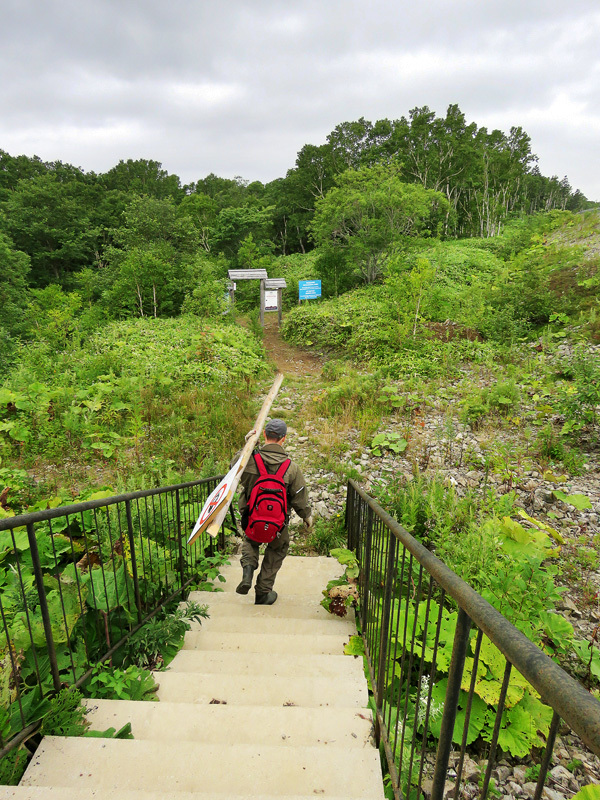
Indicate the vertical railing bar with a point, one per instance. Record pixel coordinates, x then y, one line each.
123 553
547 758
11 655
404 660
348 516
27 616
159 561
39 579
114 569
411 654
366 571
101 565
457 663
376 602
179 542
463 746
136 585
183 535
78 584
496 733
62 600
420 678
170 515
150 571
144 576
401 677
432 672
385 622
394 625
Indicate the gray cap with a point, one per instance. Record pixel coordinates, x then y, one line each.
276 429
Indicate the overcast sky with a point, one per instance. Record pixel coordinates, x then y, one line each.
237 87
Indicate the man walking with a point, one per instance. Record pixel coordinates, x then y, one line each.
273 457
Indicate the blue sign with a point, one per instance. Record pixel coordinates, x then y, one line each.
309 290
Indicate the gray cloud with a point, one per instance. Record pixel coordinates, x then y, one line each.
239 87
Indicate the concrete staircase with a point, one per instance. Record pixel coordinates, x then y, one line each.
260 703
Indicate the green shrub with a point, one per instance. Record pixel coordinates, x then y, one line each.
327 535
133 683
504 397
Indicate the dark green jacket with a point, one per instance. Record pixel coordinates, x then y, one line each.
273 455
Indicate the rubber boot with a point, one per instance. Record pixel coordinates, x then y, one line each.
266 599
246 583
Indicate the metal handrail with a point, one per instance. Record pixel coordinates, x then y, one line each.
125 565
88 505
557 688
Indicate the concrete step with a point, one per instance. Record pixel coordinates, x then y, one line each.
325 644
289 726
265 664
295 606
275 624
246 770
193 687
293 578
64 793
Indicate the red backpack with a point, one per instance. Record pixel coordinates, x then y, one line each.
267 506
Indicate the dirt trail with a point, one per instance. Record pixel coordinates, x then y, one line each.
289 359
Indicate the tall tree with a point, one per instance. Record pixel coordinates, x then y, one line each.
368 212
144 177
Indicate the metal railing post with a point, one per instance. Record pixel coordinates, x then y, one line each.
457 664
349 518
390 581
179 540
39 582
134 572
366 570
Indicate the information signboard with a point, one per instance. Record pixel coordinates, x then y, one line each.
271 303
309 290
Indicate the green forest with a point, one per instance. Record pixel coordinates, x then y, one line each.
436 242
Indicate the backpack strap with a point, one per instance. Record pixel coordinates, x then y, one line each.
260 464
283 468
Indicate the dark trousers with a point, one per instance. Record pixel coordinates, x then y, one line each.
273 557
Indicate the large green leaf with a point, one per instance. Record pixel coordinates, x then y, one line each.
64 610
7 546
579 501
557 628
477 718
112 588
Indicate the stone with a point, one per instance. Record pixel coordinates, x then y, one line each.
321 509
519 774
566 604
529 789
502 774
471 771
562 775
551 794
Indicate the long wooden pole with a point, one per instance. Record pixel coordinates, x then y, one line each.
213 523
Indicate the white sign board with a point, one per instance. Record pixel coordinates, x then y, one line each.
215 501
271 300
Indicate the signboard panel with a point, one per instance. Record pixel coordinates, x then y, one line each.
309 290
215 501
271 300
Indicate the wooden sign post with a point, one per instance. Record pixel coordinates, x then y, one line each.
216 507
